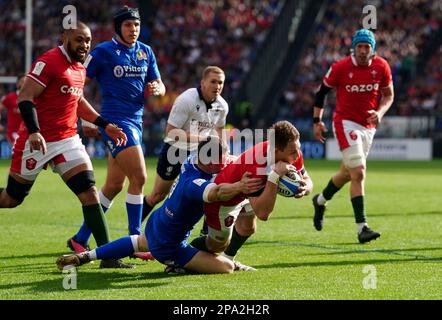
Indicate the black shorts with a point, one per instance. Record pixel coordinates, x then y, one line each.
167 170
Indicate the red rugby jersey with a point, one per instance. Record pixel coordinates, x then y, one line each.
357 87
63 80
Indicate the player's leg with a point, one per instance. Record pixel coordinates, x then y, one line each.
112 186
159 192
131 163
244 227
204 262
112 251
15 192
81 180
343 133
168 168
355 161
25 167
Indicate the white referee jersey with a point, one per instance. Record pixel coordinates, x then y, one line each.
191 113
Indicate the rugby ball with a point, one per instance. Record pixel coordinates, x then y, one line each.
289 183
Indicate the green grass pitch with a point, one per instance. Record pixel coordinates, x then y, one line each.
294 261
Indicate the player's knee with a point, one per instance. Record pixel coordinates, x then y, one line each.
16 192
246 226
358 174
228 266
138 180
83 182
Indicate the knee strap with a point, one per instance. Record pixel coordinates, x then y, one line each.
81 182
18 190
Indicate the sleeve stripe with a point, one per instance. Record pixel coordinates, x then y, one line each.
209 187
36 80
328 85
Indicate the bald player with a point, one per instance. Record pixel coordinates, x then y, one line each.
50 103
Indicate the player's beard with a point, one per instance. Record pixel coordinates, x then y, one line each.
75 55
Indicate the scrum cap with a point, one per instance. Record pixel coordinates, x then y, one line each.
125 14
364 35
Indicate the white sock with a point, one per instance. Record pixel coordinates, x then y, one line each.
134 239
321 200
105 202
93 254
361 225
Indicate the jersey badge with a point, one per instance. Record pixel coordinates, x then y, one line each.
141 55
199 182
39 66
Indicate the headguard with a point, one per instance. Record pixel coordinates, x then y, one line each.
124 14
364 35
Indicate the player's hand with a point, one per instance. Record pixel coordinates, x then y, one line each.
116 134
154 89
302 190
282 167
250 185
318 129
374 117
37 142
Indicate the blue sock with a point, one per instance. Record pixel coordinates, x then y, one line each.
117 249
84 234
134 207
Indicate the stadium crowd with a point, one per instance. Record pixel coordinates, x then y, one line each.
403 28
189 35
186 36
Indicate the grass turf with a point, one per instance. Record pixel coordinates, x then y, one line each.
294 261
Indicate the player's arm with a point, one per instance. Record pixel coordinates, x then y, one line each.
89 129
387 97
87 112
178 134
31 89
227 191
263 204
318 111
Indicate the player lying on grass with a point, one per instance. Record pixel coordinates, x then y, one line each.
168 227
231 223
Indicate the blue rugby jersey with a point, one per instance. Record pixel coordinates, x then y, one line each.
183 208
122 73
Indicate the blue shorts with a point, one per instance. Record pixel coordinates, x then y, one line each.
133 132
175 256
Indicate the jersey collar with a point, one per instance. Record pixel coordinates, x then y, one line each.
65 54
122 46
208 104
353 59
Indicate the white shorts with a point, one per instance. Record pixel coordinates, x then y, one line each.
354 141
221 219
61 155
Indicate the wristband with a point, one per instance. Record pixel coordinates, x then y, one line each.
273 177
29 115
101 122
316 120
